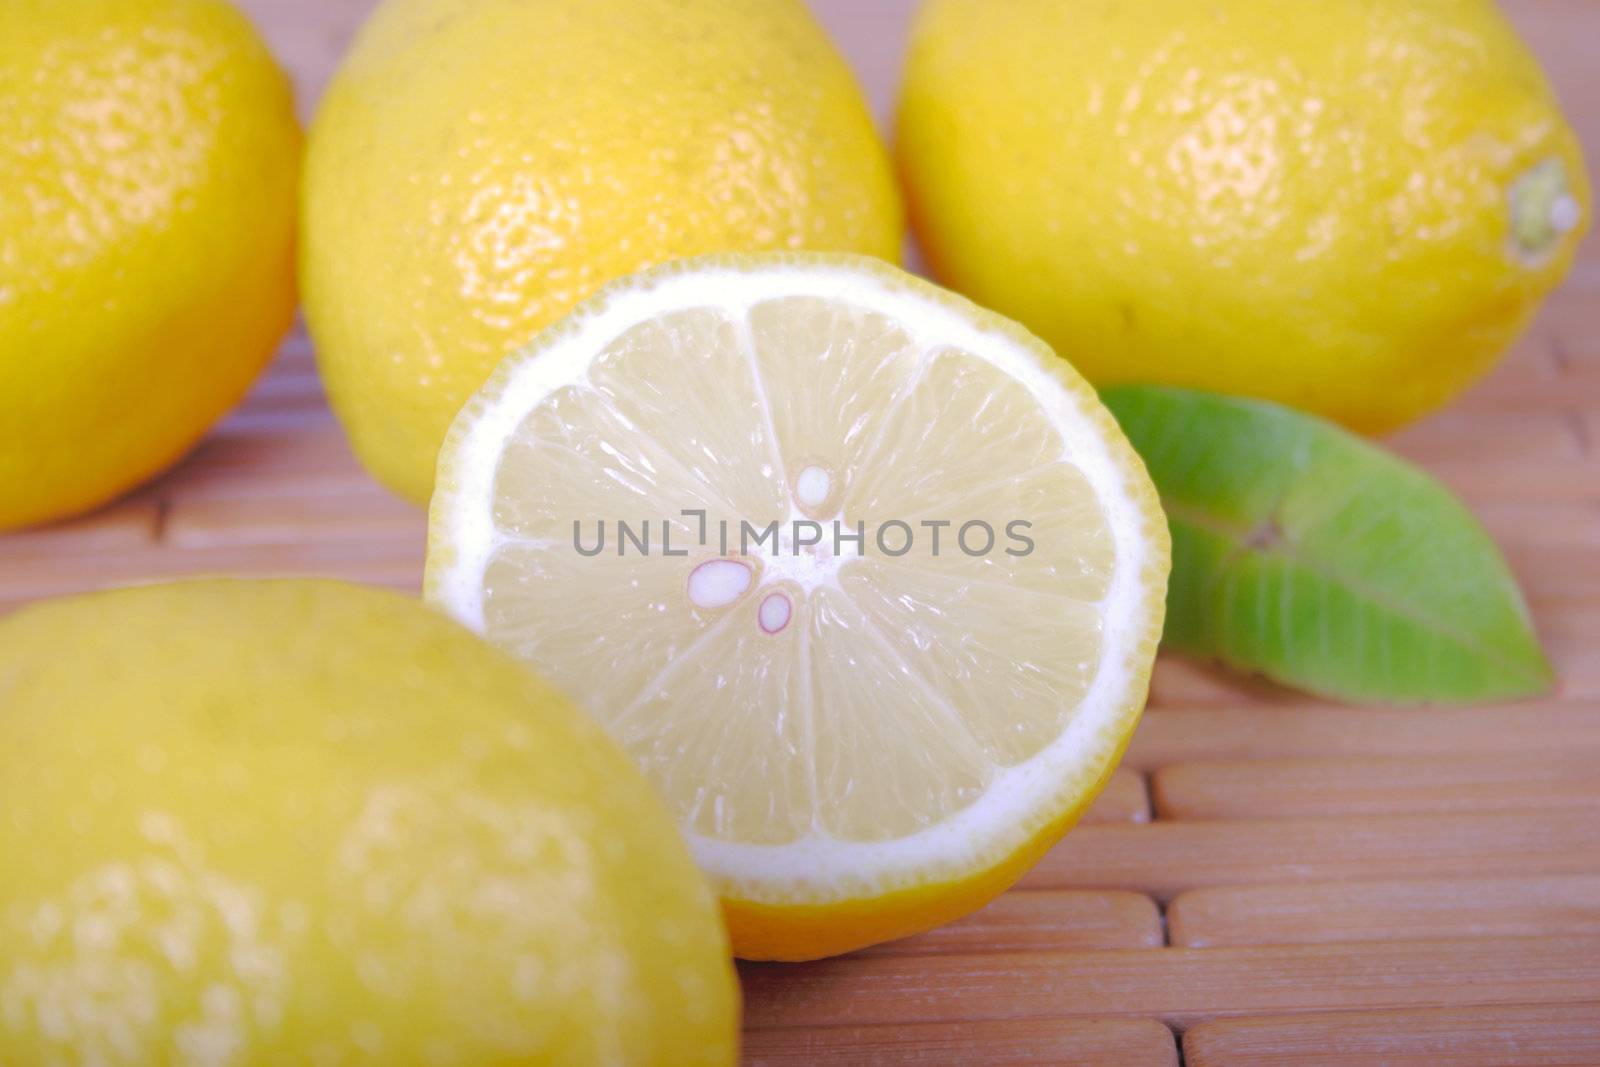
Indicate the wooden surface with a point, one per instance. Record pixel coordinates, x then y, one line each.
1268 880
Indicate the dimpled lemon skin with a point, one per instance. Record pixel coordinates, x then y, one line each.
479 166
149 158
1304 202
306 822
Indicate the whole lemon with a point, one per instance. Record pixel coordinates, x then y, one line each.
305 822
148 166
1351 206
479 166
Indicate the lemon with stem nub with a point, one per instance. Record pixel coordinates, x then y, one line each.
1352 208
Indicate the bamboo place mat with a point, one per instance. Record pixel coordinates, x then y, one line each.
1268 880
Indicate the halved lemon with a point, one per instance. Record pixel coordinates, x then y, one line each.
864 577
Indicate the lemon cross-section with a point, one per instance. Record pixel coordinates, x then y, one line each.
863 577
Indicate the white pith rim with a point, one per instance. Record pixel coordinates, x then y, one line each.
1021 799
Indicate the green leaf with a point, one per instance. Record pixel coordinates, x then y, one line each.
1321 561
